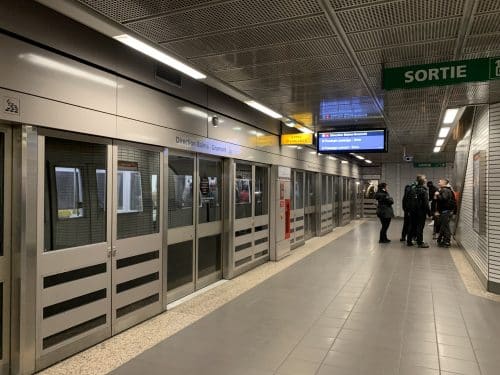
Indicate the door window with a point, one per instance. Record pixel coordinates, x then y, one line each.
261 198
243 191
210 191
137 186
75 210
180 191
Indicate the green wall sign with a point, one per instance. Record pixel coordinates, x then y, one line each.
429 165
441 74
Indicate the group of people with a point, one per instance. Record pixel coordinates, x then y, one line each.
421 199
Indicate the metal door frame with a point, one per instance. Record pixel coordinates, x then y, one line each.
197 283
310 181
300 242
5 259
188 288
63 350
231 270
216 276
148 311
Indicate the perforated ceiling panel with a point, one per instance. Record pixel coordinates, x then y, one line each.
287 55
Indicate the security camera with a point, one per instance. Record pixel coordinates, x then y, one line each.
215 121
408 158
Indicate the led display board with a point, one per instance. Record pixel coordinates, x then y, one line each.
346 141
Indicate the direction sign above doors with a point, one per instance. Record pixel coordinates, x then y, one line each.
441 74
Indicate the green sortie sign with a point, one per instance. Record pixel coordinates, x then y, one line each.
429 165
441 74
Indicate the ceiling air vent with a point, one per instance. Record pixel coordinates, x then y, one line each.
168 75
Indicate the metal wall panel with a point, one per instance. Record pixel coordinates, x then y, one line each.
493 192
141 103
27 68
476 245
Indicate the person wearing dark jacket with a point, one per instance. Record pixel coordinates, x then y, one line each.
432 191
446 206
406 219
418 206
384 211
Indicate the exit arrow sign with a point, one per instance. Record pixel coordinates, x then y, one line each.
441 74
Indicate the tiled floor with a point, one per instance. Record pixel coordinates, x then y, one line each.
353 307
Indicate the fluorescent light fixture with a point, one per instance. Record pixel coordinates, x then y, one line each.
359 157
312 152
263 109
290 123
345 162
159 55
437 149
439 142
303 129
443 133
449 116
368 161
48 63
194 112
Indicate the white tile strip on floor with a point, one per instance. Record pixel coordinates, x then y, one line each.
112 353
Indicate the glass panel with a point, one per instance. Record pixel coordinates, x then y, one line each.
210 190
292 190
324 189
261 191
2 162
180 191
75 209
330 189
243 191
209 255
179 264
299 190
69 193
137 184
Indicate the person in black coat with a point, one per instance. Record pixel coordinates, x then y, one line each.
384 211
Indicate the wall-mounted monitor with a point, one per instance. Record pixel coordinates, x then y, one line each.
346 141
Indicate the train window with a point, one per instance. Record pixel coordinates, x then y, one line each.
137 187
100 175
69 192
129 188
75 193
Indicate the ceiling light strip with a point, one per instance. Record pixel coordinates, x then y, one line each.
158 55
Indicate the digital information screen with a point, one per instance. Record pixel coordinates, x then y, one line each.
373 140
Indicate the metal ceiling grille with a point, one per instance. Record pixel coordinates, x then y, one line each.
236 15
388 15
287 54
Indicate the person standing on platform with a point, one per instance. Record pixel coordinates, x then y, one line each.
384 211
435 218
446 206
406 223
418 205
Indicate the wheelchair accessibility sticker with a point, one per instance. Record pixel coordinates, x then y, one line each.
11 105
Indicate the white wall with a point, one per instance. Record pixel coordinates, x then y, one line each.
398 175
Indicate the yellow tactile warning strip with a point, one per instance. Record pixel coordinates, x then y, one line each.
469 277
114 352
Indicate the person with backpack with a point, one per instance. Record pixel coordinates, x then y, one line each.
384 211
446 207
406 218
417 201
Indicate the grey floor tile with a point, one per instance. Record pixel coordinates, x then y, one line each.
342 310
308 353
457 352
298 367
459 366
